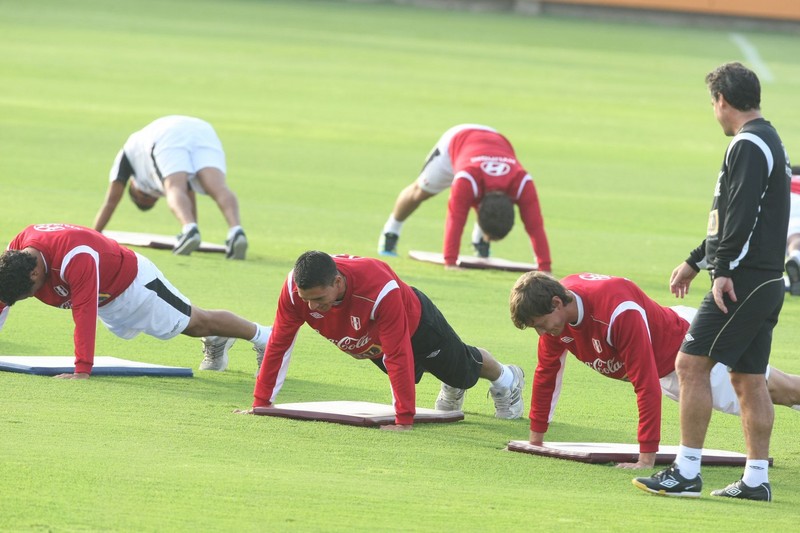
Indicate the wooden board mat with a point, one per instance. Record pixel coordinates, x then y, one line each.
467 261
604 452
159 242
47 365
352 413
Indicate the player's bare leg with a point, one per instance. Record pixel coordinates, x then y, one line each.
408 201
175 189
214 184
784 389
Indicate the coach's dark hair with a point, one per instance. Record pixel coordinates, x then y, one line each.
532 296
795 170
496 215
314 269
737 83
15 275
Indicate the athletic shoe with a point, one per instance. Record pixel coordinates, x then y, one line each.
743 491
793 271
670 482
236 246
450 398
215 351
508 400
481 248
260 352
259 357
387 245
187 242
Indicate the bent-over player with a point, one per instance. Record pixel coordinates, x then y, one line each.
175 157
480 165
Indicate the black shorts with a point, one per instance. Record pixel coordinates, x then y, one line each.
742 338
440 351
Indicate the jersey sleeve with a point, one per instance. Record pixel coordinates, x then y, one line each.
83 277
747 174
631 337
278 352
392 321
552 357
122 169
530 211
461 199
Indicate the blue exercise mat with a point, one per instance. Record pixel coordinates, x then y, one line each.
103 366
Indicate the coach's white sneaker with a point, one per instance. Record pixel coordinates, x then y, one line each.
508 400
450 398
215 352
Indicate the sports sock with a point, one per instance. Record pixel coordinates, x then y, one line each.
795 254
688 461
755 472
188 227
477 233
262 335
393 226
233 230
505 380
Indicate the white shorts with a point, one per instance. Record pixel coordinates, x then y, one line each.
437 174
723 397
189 148
794 215
149 305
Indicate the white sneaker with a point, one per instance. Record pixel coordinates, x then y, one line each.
260 352
508 400
187 242
236 246
215 351
450 398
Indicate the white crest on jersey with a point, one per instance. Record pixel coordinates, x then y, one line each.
316 315
495 168
51 227
61 290
597 346
594 277
356 322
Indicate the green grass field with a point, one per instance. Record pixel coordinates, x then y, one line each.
326 110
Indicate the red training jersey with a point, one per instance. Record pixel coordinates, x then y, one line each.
484 161
376 318
622 334
83 270
795 184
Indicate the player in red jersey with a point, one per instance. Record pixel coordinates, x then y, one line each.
368 312
76 268
613 327
480 166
